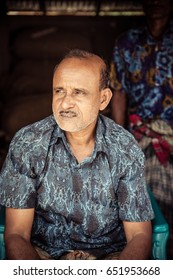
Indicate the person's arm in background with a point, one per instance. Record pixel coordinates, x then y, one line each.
18 227
119 108
118 103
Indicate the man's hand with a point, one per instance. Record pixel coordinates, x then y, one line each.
77 255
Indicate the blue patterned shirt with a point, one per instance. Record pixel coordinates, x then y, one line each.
77 205
143 68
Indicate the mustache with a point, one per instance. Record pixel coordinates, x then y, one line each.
67 113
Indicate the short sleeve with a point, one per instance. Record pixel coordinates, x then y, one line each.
17 178
118 70
133 199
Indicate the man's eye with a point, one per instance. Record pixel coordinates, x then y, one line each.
59 91
79 92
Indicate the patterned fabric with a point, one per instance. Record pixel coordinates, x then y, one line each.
139 129
143 68
78 206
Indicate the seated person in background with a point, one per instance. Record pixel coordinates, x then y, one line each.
73 183
142 82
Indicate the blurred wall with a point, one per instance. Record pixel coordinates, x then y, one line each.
30 47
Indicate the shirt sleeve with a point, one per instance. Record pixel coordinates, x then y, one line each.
18 178
133 197
118 69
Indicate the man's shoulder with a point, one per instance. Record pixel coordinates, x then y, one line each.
130 36
36 131
114 131
118 138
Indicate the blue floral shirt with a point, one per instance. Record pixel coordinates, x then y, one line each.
77 205
143 68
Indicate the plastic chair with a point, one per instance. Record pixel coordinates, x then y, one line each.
2 222
160 232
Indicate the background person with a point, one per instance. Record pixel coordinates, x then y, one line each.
142 82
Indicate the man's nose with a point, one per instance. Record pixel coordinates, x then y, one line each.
67 101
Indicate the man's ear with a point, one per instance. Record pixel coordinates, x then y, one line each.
106 95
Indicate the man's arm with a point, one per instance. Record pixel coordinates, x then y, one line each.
119 107
139 241
18 227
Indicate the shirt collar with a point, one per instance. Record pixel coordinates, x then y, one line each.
57 133
101 131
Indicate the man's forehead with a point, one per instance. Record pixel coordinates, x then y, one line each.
89 62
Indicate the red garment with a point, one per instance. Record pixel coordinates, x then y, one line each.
160 145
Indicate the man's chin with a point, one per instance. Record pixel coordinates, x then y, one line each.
68 127
66 124
73 124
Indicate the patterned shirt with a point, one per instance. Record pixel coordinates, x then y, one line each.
77 205
143 68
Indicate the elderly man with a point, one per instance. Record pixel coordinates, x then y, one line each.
73 184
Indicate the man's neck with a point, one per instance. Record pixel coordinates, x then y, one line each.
82 143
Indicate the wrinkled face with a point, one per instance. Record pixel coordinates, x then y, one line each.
157 9
76 94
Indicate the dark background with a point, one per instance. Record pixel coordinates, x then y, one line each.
34 35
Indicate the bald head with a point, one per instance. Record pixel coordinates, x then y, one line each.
98 63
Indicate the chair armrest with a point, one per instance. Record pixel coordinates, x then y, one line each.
2 226
160 231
